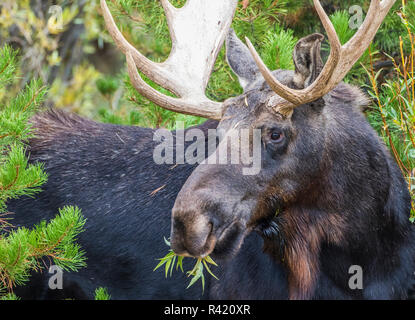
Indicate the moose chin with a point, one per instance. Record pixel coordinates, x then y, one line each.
327 197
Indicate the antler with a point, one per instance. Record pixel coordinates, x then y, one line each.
197 30
340 61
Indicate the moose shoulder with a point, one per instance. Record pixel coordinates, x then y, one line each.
328 197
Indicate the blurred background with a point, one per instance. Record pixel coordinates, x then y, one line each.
65 44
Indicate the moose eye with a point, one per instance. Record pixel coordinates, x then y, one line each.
277 136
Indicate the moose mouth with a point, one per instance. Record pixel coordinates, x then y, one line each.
224 245
230 239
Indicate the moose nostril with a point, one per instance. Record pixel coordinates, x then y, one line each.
178 232
200 244
178 226
179 249
194 237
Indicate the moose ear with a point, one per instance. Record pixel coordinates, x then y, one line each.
240 60
307 60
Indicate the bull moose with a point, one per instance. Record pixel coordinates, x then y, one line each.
328 195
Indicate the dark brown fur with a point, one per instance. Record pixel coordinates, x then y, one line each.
340 198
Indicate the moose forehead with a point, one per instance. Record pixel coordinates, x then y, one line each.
253 105
253 108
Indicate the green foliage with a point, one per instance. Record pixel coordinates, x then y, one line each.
304 20
22 250
56 40
78 75
36 33
17 177
387 38
15 115
258 21
278 49
107 85
171 259
393 116
132 118
152 115
102 294
7 65
9 296
340 20
258 18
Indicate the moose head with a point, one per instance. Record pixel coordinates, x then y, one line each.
315 143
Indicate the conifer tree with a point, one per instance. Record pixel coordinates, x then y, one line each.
144 24
274 27
22 250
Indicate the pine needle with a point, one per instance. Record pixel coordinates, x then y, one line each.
171 259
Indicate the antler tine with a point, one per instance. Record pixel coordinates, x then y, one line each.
297 97
340 61
197 30
147 66
207 109
282 90
375 16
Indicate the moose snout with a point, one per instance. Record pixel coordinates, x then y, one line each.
206 218
192 235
